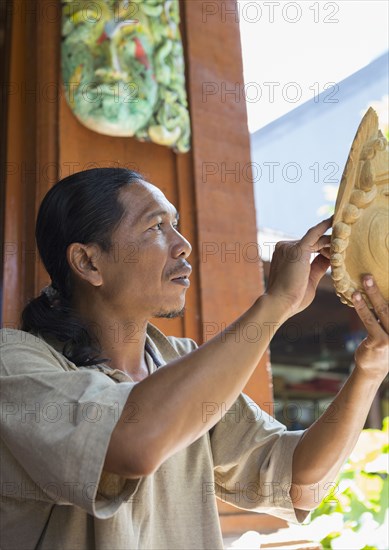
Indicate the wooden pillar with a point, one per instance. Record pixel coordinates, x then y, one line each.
31 167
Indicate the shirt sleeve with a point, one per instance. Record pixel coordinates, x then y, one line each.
56 424
253 455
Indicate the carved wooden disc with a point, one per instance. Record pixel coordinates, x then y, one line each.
360 231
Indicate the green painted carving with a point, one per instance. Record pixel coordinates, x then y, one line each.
123 69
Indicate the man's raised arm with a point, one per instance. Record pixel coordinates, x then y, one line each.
329 441
170 401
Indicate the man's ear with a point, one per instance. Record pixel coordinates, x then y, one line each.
83 260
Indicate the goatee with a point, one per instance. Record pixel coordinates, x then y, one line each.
170 314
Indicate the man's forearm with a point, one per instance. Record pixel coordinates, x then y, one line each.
326 444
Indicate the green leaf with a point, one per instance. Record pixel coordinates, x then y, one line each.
385 422
380 515
326 542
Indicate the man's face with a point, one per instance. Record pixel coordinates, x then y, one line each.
145 274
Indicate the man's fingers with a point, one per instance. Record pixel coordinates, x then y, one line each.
326 252
324 241
313 235
318 268
367 317
378 302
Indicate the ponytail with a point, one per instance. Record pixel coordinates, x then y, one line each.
59 322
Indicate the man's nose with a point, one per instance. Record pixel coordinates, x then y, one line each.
181 247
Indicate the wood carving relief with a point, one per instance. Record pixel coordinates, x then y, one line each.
360 232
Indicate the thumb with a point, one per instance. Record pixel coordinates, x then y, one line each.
318 268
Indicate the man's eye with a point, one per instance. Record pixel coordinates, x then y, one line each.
157 226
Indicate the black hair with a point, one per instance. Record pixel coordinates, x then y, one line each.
84 208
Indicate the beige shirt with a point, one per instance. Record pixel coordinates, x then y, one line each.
56 424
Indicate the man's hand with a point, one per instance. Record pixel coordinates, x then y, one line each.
293 279
372 355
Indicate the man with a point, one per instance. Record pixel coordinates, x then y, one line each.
115 436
